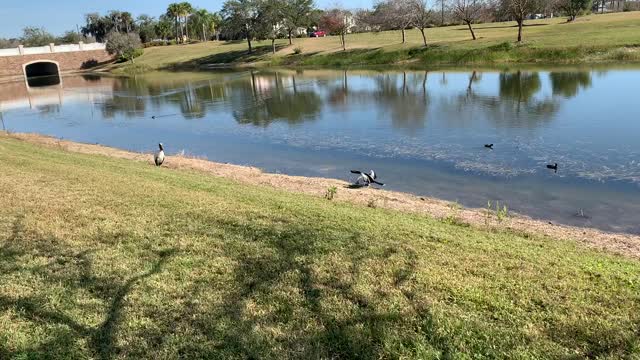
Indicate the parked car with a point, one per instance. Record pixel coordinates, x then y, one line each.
318 33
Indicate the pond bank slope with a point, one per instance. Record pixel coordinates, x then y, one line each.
103 256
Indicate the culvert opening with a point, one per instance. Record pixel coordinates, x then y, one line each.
42 73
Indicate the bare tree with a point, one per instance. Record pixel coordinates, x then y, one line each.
519 9
422 17
366 20
443 6
395 14
467 11
400 16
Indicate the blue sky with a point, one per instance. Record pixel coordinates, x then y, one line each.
61 15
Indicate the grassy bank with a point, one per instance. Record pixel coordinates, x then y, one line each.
594 38
104 258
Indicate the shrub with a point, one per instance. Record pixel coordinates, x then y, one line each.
124 46
154 43
504 46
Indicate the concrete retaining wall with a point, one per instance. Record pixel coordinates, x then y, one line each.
68 60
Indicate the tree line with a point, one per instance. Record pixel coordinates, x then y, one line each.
252 20
37 36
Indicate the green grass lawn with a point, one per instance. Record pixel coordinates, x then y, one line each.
107 258
594 38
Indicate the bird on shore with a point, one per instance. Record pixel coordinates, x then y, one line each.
489 146
158 158
553 167
366 179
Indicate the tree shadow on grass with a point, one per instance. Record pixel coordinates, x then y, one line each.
78 276
261 277
501 27
259 53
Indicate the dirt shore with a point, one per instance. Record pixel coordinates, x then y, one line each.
622 244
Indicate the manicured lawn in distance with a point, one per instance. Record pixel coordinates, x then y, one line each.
609 37
109 258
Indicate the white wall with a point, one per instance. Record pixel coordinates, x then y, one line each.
57 48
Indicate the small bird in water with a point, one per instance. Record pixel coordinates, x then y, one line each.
158 158
489 146
366 179
553 167
153 117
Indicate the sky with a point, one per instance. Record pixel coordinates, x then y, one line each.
58 16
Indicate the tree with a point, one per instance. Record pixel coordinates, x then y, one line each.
393 15
202 22
164 27
443 6
173 11
271 21
518 10
366 20
124 46
9 43
122 21
185 10
295 14
336 21
422 16
573 8
217 23
146 28
401 16
127 21
35 36
242 18
97 26
467 11
73 37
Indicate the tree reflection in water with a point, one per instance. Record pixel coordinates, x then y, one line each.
275 98
568 84
515 106
407 103
402 98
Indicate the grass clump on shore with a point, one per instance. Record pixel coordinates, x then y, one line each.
110 258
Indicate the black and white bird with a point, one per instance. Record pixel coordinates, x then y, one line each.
366 179
158 158
489 146
553 167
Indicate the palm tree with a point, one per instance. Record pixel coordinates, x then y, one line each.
173 10
185 11
127 20
202 21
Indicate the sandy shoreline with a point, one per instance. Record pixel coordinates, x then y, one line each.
622 244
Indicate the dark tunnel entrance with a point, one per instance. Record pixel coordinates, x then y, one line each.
42 73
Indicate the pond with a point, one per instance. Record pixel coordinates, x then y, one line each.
422 131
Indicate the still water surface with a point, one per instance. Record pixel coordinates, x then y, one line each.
423 132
